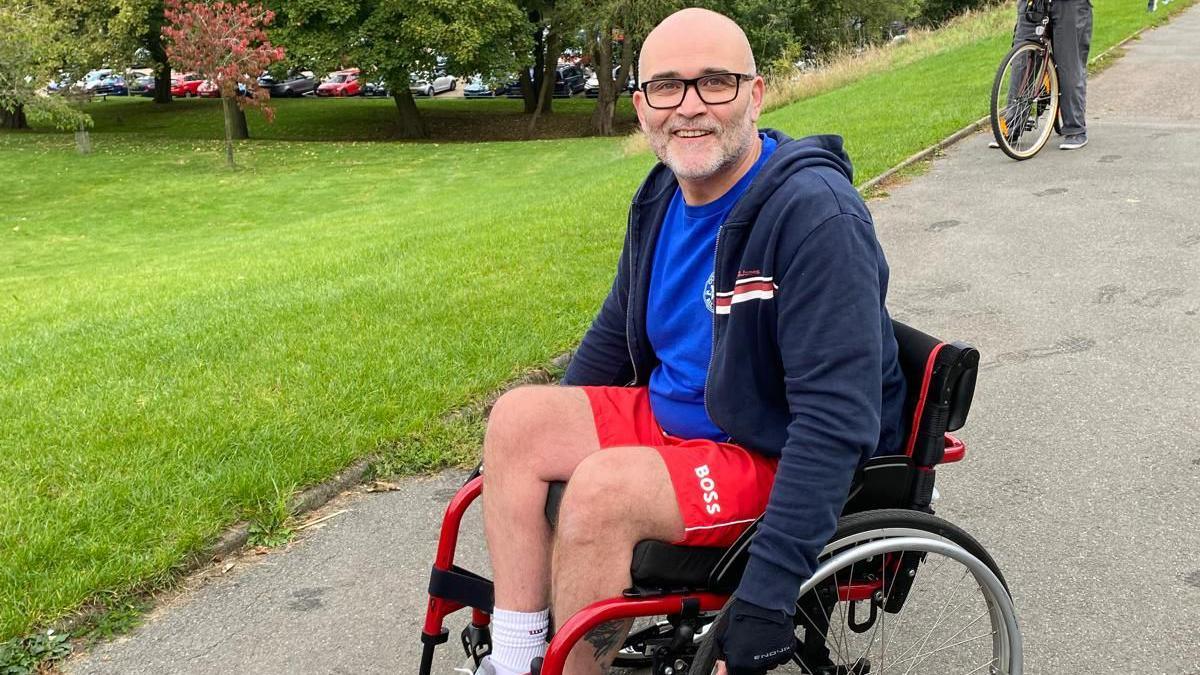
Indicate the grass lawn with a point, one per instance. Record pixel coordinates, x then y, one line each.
180 343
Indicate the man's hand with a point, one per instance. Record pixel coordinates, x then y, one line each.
754 639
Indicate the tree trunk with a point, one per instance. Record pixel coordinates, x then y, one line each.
241 130
162 83
529 91
606 101
547 88
13 119
230 121
531 80
549 70
158 51
412 125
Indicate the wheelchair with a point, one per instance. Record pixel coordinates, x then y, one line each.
896 590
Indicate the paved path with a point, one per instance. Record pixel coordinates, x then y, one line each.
1078 277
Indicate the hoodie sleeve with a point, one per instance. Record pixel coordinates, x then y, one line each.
830 344
603 356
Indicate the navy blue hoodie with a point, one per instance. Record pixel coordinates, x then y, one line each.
804 363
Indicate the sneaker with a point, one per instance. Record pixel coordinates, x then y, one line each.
486 667
993 145
1073 142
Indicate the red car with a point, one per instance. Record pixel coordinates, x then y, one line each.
208 89
186 85
341 83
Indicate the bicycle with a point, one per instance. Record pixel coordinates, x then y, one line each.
1025 105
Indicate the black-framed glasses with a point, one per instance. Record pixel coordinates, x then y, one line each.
713 89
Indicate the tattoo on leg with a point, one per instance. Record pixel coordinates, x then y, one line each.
604 638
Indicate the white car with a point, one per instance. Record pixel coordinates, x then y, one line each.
423 87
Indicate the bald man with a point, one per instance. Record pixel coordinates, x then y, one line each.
743 361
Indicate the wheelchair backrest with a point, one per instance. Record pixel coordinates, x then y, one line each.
941 382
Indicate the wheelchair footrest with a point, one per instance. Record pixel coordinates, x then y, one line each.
462 586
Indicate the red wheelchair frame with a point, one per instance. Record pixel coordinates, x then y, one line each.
941 379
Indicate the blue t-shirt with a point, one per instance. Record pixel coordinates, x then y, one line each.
679 312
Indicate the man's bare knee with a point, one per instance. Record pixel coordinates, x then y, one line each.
618 496
536 425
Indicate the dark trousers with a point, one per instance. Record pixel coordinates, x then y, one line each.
1072 36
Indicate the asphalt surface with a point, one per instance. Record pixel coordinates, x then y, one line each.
1076 274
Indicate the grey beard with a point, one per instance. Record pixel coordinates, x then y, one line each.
743 131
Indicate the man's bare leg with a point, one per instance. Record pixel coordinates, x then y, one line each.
614 500
535 435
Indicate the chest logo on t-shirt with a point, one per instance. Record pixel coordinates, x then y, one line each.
748 288
709 293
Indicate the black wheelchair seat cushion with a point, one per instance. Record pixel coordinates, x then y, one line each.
666 566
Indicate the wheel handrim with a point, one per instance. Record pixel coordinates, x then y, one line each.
957 618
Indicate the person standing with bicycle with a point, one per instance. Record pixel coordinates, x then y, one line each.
1071 33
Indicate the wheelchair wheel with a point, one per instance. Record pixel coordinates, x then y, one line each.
900 591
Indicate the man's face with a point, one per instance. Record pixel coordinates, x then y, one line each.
699 140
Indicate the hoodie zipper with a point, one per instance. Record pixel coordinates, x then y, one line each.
629 336
712 352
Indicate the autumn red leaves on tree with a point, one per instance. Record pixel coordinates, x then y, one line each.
225 43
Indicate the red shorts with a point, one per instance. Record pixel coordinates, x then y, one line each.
721 487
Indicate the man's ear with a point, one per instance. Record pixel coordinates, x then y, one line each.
639 101
758 89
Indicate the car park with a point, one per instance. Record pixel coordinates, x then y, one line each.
422 86
295 83
186 84
340 83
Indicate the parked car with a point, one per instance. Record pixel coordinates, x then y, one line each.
296 83
592 88
143 85
92 79
60 84
340 83
376 88
477 87
208 89
111 85
186 84
423 86
568 81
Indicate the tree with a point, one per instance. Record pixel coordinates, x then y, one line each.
227 45
614 30
394 40
26 64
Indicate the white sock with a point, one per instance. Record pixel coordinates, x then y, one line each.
517 639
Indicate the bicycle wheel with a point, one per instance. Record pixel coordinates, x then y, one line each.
900 592
1024 100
